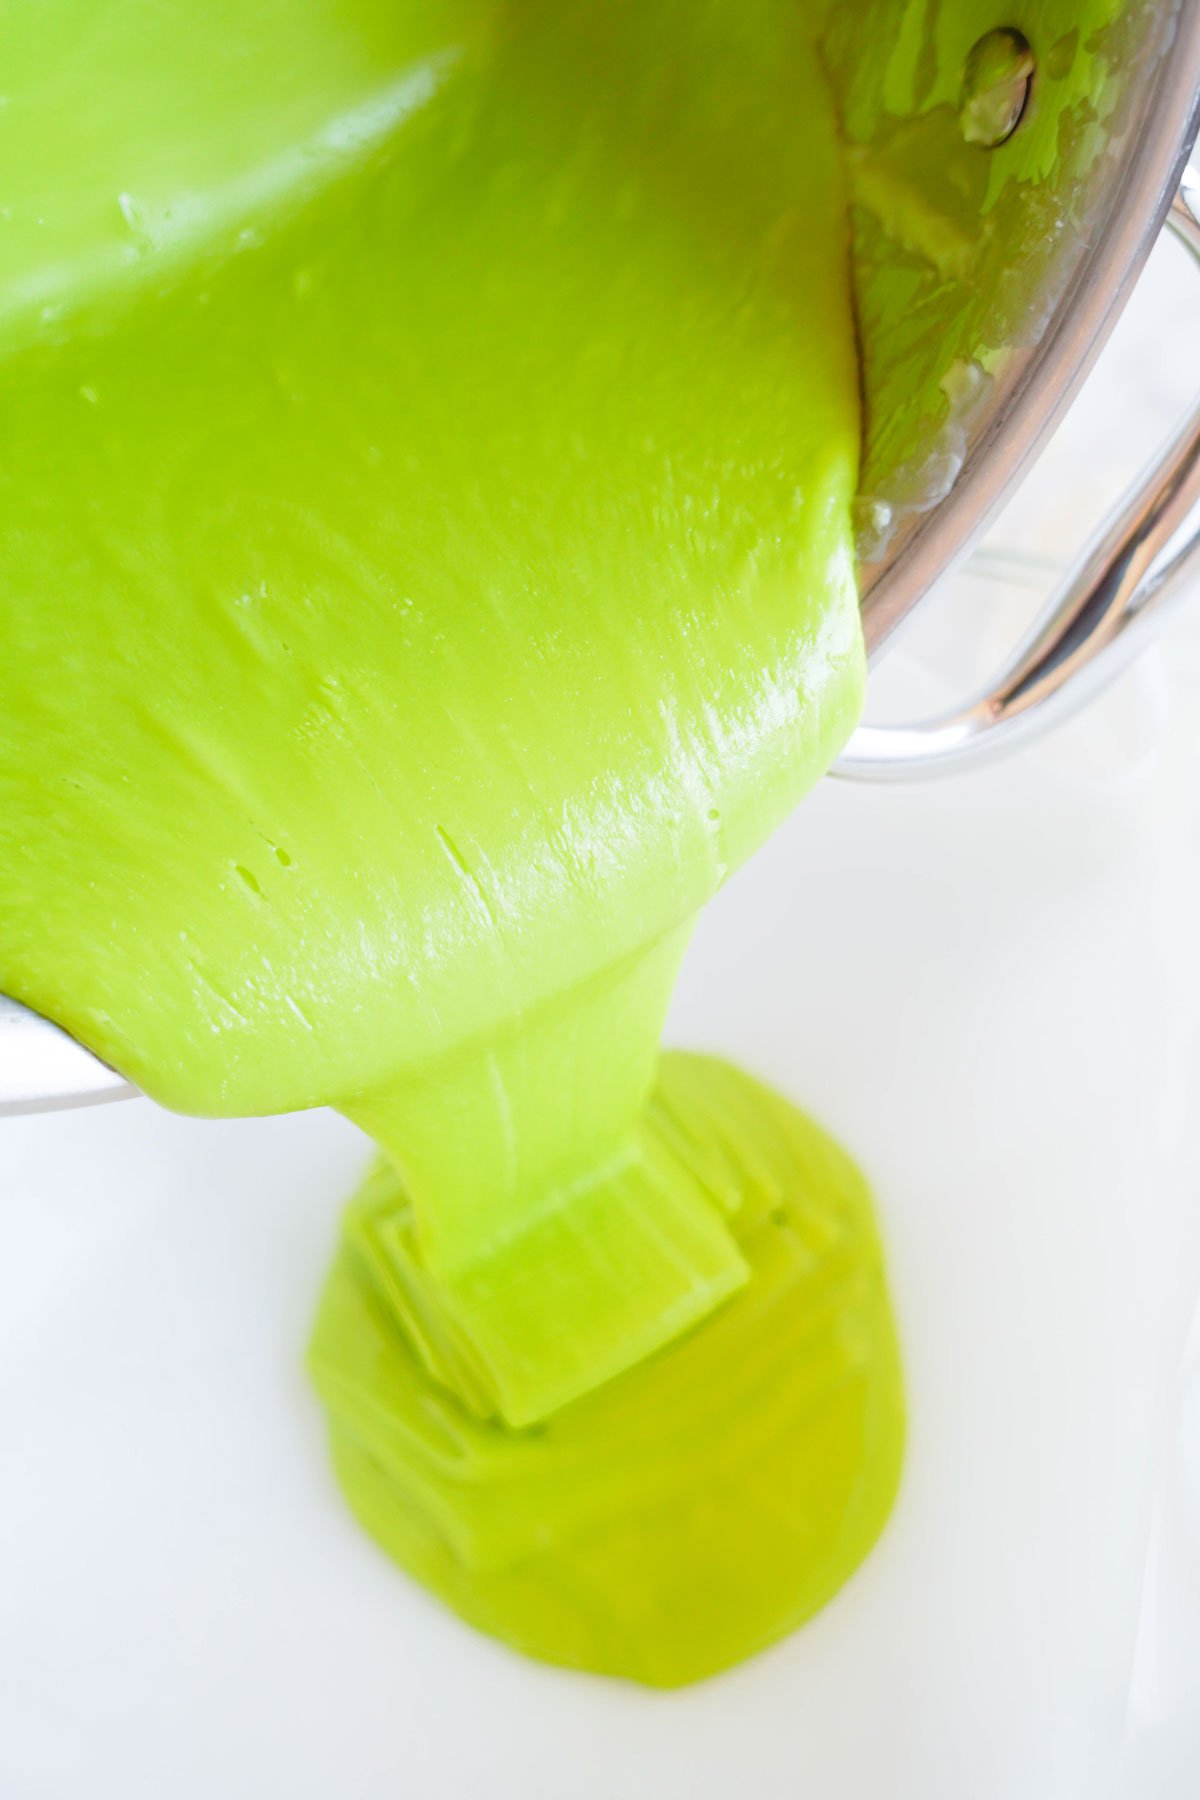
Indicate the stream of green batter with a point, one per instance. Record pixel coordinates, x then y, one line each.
430 430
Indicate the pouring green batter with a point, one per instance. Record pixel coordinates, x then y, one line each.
430 432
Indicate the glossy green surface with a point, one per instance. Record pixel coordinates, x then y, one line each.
429 439
696 1509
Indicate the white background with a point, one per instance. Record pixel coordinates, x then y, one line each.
991 990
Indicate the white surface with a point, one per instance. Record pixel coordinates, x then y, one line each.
991 989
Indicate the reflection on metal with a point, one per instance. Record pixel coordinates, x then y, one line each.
1105 610
987 282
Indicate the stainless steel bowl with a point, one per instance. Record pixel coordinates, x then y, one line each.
1010 169
1007 333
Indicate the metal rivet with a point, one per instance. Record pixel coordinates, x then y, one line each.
995 90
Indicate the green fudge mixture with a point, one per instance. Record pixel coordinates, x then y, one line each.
430 432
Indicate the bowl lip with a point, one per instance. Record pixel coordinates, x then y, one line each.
1084 316
43 1068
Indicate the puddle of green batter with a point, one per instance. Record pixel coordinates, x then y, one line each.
701 1505
427 573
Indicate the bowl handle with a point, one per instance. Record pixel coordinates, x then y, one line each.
1103 613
